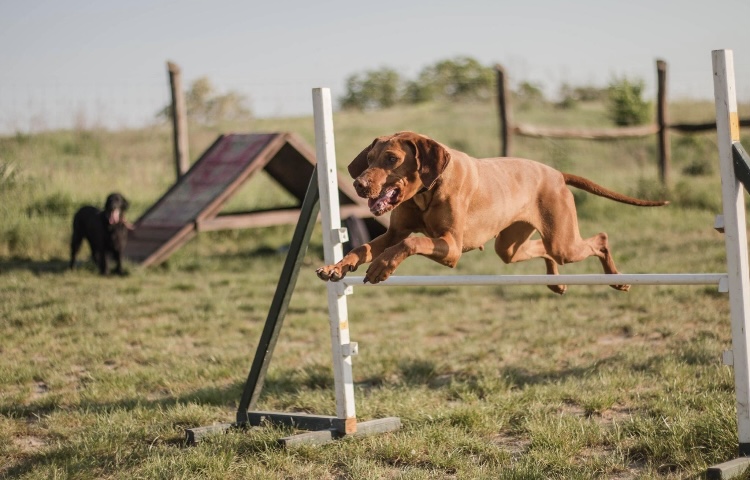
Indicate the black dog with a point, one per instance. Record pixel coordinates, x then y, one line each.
106 231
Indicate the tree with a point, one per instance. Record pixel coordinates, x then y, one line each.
205 106
529 93
372 89
459 79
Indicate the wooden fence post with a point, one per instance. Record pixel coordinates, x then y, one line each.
662 120
503 107
179 120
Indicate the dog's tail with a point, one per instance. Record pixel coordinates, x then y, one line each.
591 187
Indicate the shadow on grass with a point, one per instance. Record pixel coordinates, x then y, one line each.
216 396
421 372
67 454
281 382
62 456
56 265
411 373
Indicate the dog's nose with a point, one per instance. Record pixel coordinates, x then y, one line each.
361 185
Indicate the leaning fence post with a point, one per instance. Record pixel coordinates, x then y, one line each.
503 108
662 119
179 120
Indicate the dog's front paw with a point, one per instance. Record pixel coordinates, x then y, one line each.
332 273
379 271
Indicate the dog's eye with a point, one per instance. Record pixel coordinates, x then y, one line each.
392 159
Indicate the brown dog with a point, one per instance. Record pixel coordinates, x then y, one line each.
458 203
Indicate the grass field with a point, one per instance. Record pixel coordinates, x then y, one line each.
100 377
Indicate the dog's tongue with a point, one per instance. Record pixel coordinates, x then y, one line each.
114 217
379 204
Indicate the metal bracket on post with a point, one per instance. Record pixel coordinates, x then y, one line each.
719 223
724 285
350 350
340 235
343 289
727 358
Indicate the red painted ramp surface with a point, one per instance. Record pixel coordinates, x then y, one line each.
199 193
195 200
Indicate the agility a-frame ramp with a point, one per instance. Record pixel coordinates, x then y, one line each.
735 173
193 203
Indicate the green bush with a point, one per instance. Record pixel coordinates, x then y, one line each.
696 153
626 104
372 90
528 95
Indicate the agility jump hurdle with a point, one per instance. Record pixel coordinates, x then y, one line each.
735 168
734 164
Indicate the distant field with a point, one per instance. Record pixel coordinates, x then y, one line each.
100 377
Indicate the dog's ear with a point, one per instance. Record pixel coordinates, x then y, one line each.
359 164
432 158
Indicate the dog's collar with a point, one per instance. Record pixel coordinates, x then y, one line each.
422 190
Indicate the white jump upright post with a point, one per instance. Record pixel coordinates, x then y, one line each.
333 251
728 130
342 348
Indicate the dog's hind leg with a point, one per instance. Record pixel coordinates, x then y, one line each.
600 244
118 263
75 245
514 245
596 246
565 245
100 258
563 241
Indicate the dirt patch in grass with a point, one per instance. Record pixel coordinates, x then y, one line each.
39 390
514 445
29 444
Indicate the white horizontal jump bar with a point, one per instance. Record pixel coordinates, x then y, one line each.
594 279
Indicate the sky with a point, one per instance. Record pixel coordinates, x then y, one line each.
84 64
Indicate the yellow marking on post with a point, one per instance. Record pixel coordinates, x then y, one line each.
344 325
734 126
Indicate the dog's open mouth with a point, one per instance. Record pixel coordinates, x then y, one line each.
114 216
385 202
